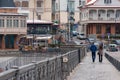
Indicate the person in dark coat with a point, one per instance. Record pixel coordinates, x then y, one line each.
93 49
100 52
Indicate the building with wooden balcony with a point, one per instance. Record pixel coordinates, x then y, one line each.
100 17
36 9
12 25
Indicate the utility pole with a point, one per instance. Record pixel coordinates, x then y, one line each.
68 14
33 22
59 13
70 20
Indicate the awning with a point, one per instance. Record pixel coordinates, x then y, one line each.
29 37
43 38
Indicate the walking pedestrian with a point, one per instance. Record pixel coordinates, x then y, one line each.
100 52
93 49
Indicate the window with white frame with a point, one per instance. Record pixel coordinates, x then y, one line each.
15 23
1 22
22 23
56 6
9 22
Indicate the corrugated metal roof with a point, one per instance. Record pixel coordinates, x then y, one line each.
39 21
91 2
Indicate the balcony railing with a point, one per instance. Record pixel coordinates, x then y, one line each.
101 20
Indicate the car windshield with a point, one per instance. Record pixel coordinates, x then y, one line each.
82 34
118 41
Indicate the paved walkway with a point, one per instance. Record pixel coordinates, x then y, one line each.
87 70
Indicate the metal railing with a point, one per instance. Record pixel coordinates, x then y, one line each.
55 68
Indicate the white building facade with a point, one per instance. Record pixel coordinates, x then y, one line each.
63 9
101 17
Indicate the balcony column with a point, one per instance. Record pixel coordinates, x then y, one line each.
115 14
88 14
115 24
85 29
97 14
3 42
106 18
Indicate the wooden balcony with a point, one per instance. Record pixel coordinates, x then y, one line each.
13 30
101 20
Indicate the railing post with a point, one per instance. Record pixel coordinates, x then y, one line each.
34 62
17 72
79 56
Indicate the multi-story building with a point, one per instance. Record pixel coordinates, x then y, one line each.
12 25
100 17
36 9
40 14
63 9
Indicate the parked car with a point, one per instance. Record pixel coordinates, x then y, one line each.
112 47
75 33
81 36
90 40
117 42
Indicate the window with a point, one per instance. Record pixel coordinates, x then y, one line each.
57 16
108 28
17 4
25 4
9 23
117 29
22 22
39 3
98 29
56 5
15 23
39 17
107 1
99 15
71 6
1 22
108 15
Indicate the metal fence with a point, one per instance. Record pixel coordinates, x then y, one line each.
113 60
55 68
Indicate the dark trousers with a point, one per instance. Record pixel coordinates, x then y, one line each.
93 56
100 58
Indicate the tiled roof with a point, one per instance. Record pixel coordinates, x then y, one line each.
91 2
7 3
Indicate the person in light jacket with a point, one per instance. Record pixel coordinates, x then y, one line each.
100 52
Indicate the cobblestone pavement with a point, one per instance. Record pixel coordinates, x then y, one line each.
87 70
